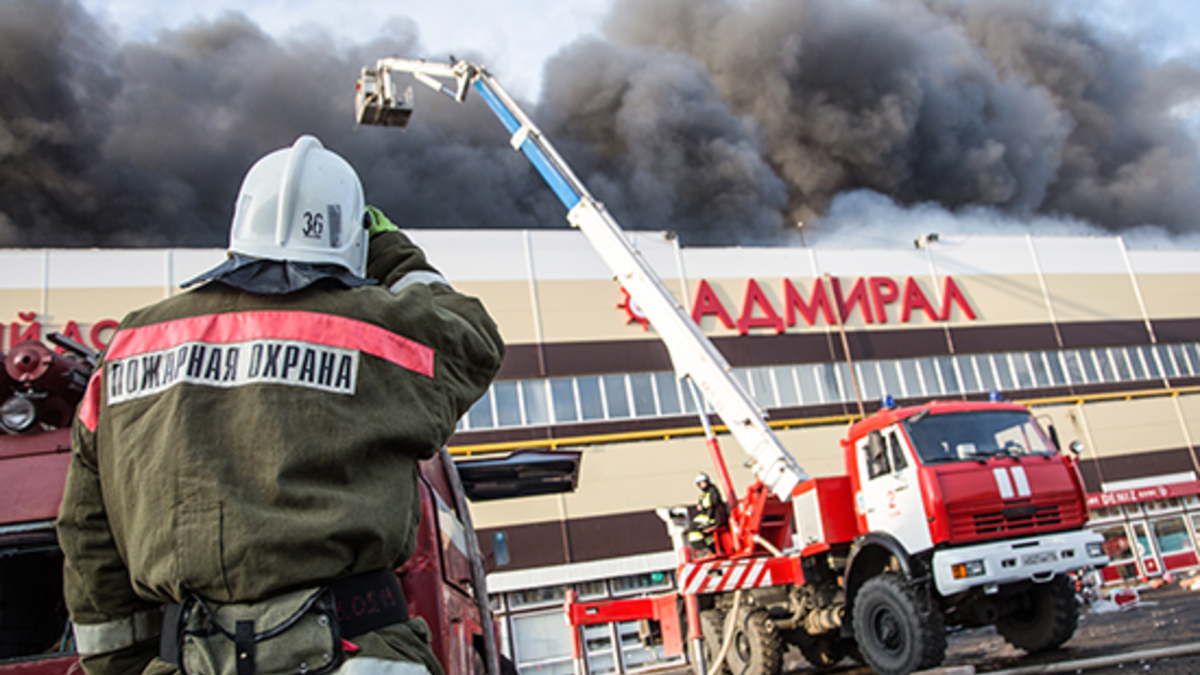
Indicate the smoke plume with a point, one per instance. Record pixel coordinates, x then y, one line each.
725 120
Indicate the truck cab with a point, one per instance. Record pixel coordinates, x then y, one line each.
978 488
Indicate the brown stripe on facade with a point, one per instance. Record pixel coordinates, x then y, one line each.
892 344
1177 330
1131 467
989 339
595 538
1105 333
567 359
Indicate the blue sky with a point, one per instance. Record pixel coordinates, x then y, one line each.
517 36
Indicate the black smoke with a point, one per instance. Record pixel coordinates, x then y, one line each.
724 120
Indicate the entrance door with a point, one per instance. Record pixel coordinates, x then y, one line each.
891 492
1145 550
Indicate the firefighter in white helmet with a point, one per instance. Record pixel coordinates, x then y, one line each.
711 514
243 470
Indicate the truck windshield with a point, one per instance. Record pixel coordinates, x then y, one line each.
955 437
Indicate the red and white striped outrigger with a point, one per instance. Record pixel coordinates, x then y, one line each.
721 576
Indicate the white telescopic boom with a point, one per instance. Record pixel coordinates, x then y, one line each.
692 354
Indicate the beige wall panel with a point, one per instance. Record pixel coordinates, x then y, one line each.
648 475
509 303
1007 299
1189 406
582 311
817 449
89 305
1093 297
642 476
1171 296
13 301
1129 427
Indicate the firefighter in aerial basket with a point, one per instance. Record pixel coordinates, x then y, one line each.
711 513
243 476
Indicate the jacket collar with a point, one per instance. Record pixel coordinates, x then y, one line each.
275 277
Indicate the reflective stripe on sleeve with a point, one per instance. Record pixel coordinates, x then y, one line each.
411 278
101 638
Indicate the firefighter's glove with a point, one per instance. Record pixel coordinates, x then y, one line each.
377 222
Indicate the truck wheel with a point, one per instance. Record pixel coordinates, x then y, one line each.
712 625
756 648
1047 617
896 631
822 651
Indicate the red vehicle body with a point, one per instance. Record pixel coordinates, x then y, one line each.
440 581
949 513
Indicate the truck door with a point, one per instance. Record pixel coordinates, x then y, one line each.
891 492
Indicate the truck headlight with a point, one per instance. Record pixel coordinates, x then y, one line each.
973 568
17 414
1095 550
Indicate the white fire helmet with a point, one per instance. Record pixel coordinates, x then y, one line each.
302 204
701 478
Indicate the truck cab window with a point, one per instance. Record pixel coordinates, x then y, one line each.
898 459
876 456
973 436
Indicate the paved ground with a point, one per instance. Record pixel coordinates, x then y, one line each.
1164 617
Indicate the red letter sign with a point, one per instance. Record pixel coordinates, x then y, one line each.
792 301
755 296
858 296
951 293
707 302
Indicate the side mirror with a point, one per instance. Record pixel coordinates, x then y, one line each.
1054 437
1076 448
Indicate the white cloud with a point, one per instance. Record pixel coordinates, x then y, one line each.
864 218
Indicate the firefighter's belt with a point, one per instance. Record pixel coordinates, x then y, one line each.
298 632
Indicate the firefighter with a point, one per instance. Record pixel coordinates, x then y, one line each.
711 514
244 464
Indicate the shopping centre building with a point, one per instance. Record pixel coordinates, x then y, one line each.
1101 340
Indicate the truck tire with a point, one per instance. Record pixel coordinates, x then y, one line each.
756 648
712 626
1047 617
897 632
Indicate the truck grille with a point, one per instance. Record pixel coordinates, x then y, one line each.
1016 518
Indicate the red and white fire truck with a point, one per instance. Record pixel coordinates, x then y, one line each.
443 582
948 513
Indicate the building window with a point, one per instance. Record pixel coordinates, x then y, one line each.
542 644
1171 536
636 583
598 644
537 596
566 400
562 391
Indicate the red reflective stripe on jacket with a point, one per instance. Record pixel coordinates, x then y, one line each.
314 327
89 407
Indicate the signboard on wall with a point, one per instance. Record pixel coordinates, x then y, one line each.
830 301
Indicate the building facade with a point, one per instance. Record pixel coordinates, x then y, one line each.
1102 341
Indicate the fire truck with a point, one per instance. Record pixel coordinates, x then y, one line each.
443 582
948 513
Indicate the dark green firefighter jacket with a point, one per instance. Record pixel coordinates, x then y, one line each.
237 445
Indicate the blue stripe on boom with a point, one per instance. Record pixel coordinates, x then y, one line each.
562 189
